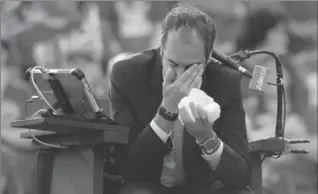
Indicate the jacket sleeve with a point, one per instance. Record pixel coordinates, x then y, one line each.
234 165
145 150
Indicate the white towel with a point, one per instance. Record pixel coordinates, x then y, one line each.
200 98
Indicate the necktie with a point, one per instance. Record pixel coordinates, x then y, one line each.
173 173
177 138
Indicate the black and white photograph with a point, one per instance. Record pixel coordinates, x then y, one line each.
158 97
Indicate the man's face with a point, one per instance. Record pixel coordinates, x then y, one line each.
182 48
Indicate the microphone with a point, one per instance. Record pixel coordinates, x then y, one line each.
230 62
259 79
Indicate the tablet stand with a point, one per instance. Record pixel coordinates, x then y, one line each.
78 168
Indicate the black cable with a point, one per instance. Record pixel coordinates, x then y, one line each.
279 154
283 121
284 113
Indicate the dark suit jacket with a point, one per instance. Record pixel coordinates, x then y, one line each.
135 95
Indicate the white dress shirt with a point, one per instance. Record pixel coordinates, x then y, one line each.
212 159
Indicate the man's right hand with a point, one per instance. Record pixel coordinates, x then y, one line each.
174 91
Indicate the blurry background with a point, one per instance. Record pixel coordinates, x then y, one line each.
93 35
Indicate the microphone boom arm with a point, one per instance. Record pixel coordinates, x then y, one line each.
281 101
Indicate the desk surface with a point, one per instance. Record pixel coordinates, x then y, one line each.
70 132
62 124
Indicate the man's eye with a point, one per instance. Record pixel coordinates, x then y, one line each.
173 64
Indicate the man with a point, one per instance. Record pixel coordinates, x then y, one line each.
164 156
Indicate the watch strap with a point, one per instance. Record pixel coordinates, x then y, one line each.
167 115
210 145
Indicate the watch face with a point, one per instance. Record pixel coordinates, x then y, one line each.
210 144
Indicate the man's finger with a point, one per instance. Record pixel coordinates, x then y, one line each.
193 76
194 110
204 118
191 72
190 79
169 77
203 115
185 115
199 82
196 83
201 71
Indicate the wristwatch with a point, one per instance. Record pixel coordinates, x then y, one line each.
167 115
210 145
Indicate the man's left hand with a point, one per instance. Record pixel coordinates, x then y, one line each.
200 128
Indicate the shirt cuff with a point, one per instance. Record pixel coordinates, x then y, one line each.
214 158
161 134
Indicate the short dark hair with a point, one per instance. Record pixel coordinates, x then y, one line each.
186 16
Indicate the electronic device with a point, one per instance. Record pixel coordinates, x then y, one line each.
66 92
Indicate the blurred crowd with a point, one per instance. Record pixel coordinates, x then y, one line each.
92 36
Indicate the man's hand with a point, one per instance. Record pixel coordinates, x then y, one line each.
173 92
200 128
